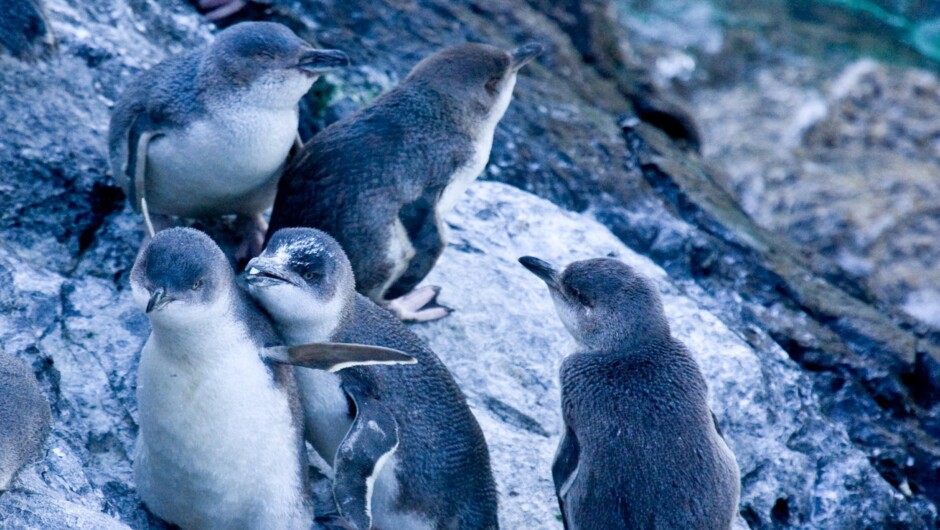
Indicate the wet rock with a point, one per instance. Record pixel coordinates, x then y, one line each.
67 242
504 343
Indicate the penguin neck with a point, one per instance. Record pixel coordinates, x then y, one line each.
319 322
628 343
192 332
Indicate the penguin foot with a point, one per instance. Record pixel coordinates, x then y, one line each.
219 9
420 305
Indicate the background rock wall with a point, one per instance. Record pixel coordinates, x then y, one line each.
844 437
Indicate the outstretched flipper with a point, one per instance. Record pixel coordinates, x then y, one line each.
335 356
371 441
565 469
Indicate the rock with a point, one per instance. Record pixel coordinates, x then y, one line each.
504 344
67 242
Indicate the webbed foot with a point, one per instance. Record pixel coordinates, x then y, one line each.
420 305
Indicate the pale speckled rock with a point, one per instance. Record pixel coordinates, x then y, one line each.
504 344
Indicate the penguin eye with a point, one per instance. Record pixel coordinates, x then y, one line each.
309 275
492 85
581 298
197 285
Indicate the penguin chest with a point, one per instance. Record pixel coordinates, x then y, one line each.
467 173
482 144
216 447
223 164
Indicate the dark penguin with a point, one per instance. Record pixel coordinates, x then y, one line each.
406 451
24 418
641 448
221 428
208 133
381 181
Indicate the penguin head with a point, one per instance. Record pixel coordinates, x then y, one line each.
182 277
304 281
266 62
603 302
478 78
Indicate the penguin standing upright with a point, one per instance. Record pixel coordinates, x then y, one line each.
641 449
406 451
207 133
382 180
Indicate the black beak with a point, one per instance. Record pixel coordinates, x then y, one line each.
261 272
319 61
543 270
158 299
524 54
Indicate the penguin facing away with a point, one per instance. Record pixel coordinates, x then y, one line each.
641 448
25 418
207 133
220 442
382 180
406 451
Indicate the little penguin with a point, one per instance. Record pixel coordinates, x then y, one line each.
406 451
24 418
640 448
220 443
208 133
382 180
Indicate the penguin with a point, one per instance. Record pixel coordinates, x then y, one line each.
406 451
640 448
25 418
208 133
220 441
382 180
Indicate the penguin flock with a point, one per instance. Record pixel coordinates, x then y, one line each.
307 345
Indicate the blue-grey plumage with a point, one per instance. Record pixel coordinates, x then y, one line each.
24 418
640 447
208 132
220 442
406 450
382 180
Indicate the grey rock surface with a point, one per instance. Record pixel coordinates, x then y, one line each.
67 242
504 344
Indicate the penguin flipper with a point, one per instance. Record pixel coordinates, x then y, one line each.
423 226
717 427
565 469
134 169
371 441
335 356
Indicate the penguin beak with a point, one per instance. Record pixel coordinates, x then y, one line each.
543 270
158 299
262 273
524 54
316 62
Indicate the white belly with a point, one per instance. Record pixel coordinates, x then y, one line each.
216 447
466 174
216 167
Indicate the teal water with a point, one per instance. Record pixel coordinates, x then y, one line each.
922 35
